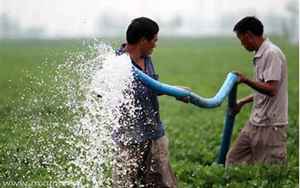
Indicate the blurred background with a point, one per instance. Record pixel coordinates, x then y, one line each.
100 18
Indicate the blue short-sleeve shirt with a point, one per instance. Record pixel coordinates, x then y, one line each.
146 123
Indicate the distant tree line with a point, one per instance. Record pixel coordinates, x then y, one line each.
10 28
112 24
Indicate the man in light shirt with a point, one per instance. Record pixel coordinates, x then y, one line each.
263 140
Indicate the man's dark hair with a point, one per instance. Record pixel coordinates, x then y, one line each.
139 28
249 23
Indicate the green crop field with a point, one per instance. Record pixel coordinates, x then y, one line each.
194 133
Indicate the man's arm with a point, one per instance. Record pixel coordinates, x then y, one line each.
240 103
268 88
246 100
182 99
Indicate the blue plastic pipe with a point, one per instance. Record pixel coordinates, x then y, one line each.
229 88
194 98
228 125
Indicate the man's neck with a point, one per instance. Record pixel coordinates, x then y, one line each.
259 42
136 55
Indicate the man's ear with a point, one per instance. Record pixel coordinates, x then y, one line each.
250 34
143 40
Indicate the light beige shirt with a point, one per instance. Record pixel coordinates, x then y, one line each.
270 64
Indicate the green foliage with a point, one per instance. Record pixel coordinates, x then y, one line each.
194 133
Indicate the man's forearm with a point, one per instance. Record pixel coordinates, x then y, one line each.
246 100
266 88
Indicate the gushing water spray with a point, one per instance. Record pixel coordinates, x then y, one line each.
109 87
72 114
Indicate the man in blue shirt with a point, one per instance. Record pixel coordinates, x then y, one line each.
142 147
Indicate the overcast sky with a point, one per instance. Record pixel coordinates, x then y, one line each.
79 17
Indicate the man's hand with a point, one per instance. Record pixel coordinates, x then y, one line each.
240 103
238 107
242 77
185 99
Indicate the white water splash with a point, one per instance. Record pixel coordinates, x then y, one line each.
101 112
71 113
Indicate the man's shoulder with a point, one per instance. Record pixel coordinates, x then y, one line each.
121 50
149 63
273 49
